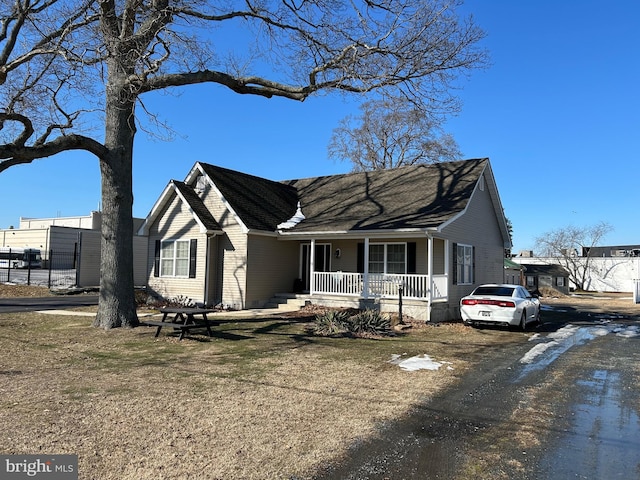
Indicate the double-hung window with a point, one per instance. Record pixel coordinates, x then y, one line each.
464 264
174 258
388 258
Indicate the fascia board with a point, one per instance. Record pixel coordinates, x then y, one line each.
199 170
408 232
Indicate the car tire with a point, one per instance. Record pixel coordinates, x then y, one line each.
523 320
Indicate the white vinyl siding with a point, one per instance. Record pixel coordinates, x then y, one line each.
177 223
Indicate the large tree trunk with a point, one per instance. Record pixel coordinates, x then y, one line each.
117 305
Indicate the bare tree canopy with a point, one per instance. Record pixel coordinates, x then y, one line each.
74 73
571 247
392 132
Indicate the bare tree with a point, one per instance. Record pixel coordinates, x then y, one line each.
393 132
571 247
74 74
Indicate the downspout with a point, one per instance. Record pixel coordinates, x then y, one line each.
207 267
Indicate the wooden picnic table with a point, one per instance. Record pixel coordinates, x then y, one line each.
183 319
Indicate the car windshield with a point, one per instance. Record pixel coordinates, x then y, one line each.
495 290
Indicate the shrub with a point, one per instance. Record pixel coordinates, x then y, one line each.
366 322
370 322
331 322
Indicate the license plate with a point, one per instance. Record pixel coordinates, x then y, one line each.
485 314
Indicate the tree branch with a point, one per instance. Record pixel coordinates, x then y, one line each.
16 153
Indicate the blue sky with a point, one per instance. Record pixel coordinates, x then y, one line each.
558 114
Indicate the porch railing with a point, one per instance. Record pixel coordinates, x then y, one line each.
380 285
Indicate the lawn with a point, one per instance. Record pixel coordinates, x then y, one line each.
262 399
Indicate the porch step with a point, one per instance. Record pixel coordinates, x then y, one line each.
287 301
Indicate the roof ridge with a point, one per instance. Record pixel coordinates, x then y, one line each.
384 171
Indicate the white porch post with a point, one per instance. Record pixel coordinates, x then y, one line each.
365 279
312 266
430 273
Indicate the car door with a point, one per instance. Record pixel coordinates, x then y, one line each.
526 303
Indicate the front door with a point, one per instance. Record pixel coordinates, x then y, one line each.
322 261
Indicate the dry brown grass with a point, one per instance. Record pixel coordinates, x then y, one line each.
8 290
262 400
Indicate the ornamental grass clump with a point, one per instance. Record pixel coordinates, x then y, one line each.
331 322
370 322
344 322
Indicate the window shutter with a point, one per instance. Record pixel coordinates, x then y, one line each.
360 262
454 273
411 257
473 265
156 263
193 254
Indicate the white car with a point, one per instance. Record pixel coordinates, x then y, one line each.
509 305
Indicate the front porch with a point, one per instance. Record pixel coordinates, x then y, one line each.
363 273
378 285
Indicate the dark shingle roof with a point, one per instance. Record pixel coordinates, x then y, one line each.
540 269
198 207
260 203
415 197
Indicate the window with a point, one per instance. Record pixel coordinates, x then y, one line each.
464 264
174 258
531 281
388 258
560 281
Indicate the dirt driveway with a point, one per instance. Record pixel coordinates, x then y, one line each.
564 404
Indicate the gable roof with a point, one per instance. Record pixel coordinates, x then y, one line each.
261 204
204 217
186 193
406 198
545 269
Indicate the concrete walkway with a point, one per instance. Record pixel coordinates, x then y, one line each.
251 313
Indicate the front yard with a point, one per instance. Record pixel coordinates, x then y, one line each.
262 399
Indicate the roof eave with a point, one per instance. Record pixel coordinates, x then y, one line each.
357 234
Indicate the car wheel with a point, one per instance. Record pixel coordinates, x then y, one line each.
523 320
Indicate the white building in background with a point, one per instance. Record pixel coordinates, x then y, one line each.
78 238
611 273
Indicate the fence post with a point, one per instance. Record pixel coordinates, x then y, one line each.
9 268
50 265
400 288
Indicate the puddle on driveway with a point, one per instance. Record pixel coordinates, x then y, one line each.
603 438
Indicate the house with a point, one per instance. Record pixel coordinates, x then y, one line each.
513 272
432 231
539 276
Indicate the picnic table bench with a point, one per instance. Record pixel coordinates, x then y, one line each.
184 319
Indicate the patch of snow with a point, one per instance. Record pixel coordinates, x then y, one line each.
419 362
629 332
293 221
564 332
536 351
